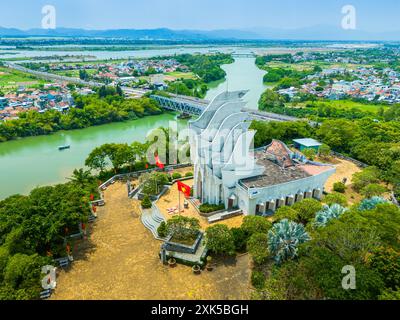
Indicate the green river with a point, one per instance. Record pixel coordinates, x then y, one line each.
36 161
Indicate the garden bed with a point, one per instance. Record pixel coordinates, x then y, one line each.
190 246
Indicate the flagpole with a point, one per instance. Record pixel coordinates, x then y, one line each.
179 192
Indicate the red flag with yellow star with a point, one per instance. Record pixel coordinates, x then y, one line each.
185 189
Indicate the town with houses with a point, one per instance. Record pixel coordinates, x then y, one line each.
51 96
58 95
370 85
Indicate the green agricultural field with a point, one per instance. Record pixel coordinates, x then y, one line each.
349 104
94 62
10 79
181 75
304 66
74 73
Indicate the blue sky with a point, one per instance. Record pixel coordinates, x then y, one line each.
373 15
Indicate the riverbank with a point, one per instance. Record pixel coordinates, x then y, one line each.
36 161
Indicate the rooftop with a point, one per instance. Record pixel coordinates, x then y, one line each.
308 142
280 167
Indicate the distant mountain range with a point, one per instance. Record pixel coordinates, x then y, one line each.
315 33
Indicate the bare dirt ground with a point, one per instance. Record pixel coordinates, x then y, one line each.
120 261
344 169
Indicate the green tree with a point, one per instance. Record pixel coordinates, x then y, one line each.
146 202
310 153
285 212
255 224
324 151
97 159
307 209
258 247
339 134
390 294
339 187
81 177
162 230
23 273
271 99
386 261
153 182
83 75
258 279
183 228
367 176
335 197
373 190
240 238
219 240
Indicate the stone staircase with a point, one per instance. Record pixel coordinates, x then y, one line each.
151 219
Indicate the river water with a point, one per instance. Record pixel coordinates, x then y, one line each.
36 161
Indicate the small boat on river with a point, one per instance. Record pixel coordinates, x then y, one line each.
64 147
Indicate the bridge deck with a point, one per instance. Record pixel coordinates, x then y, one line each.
195 106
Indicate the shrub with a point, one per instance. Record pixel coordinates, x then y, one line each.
373 190
153 182
188 174
208 208
219 239
258 279
307 209
387 262
258 247
162 230
176 175
389 294
285 213
183 228
310 153
335 198
367 176
324 151
256 224
146 202
240 238
339 187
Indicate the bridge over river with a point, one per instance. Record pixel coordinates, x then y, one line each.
195 106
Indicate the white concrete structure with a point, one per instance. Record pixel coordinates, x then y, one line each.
229 171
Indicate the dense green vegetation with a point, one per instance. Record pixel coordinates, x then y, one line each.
105 107
318 110
207 69
114 158
34 229
374 143
10 79
362 239
188 87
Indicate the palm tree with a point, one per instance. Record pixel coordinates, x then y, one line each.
328 213
284 238
81 177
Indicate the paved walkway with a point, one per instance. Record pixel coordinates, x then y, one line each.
121 262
